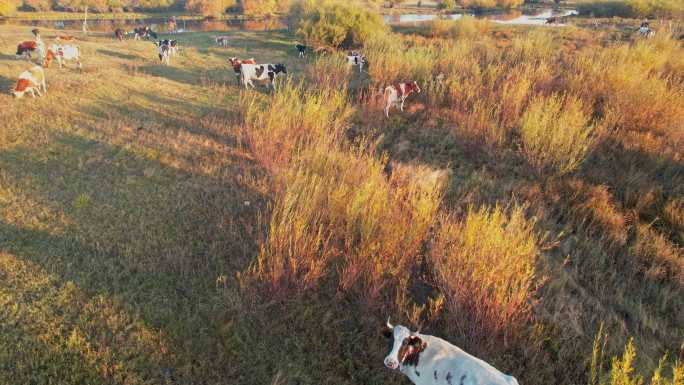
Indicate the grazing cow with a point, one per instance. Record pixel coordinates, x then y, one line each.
357 59
221 41
397 94
553 20
27 48
62 53
237 64
119 34
430 360
30 81
301 49
268 72
144 32
165 54
172 44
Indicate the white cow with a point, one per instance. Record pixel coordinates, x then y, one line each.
429 360
250 72
62 53
395 95
358 60
30 81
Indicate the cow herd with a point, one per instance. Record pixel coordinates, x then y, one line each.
247 71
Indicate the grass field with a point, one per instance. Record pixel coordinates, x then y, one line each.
158 225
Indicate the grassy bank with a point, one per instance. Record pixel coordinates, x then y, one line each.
55 15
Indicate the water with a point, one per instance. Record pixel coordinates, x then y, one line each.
157 24
536 17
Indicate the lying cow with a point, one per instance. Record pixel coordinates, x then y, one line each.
26 49
221 41
301 49
237 64
63 53
429 360
30 81
250 72
396 95
358 60
119 34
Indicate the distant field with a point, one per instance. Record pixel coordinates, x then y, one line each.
160 225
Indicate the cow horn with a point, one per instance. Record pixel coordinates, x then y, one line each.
389 325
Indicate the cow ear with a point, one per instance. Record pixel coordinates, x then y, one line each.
387 332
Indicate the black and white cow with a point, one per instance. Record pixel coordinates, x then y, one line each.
165 54
144 32
301 49
429 360
262 72
172 44
357 59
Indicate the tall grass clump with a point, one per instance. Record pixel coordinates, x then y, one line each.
339 217
623 369
467 27
336 24
329 71
556 134
485 267
294 118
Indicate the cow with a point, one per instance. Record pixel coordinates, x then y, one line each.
249 72
30 81
645 30
144 32
237 63
430 360
119 34
357 59
221 41
165 54
27 48
301 49
62 53
172 44
397 94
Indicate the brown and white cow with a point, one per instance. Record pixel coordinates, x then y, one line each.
430 360
237 64
27 48
62 53
395 95
30 81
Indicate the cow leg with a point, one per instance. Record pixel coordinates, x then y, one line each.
401 106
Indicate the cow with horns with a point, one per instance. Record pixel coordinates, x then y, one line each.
430 360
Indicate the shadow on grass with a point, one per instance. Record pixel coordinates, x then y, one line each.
152 236
6 85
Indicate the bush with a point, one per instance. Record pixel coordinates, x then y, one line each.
447 5
631 8
467 27
39 5
209 7
556 134
8 7
487 4
336 24
485 267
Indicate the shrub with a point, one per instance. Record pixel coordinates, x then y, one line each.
485 267
209 7
467 27
486 4
8 7
336 24
556 134
631 8
38 5
447 5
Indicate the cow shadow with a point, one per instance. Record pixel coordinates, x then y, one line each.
5 84
118 55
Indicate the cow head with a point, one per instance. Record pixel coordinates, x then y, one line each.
415 87
48 58
405 346
21 88
278 68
